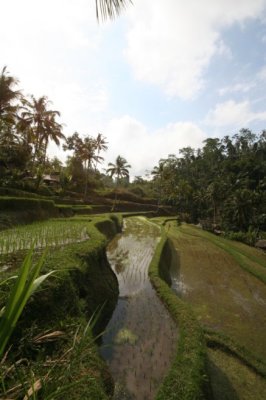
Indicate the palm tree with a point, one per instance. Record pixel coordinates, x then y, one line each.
119 169
158 173
100 145
7 96
53 132
42 124
110 8
87 155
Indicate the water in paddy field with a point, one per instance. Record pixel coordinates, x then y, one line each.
140 339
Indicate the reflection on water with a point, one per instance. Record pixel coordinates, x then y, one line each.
177 279
140 338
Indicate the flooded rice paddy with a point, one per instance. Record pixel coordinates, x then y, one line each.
140 338
223 295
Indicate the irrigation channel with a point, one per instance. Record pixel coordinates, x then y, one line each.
140 339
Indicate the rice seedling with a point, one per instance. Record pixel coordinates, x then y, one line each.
42 235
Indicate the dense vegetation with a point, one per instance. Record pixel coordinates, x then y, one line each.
221 184
224 182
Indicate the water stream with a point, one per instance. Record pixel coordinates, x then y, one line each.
140 339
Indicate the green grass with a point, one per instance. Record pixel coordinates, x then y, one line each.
218 340
65 302
243 258
187 377
233 380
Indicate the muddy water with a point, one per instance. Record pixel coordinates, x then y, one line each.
140 339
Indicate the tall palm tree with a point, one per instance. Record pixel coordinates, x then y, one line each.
7 96
110 8
118 169
42 122
87 155
100 145
158 173
53 132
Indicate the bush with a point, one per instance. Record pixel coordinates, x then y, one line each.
249 237
24 204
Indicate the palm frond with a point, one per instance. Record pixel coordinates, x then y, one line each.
110 8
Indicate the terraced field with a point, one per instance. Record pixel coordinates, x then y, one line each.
224 283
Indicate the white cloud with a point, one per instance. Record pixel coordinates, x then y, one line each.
262 74
171 43
143 149
53 48
238 87
231 113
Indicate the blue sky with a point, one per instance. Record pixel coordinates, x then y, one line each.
165 75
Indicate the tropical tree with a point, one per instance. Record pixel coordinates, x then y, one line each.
119 169
100 145
53 133
158 174
110 8
40 122
84 150
8 95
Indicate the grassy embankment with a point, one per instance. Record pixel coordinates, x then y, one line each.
187 376
50 350
223 282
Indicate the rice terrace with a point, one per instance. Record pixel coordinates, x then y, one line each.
133 261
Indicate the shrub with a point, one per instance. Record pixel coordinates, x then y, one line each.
249 237
24 204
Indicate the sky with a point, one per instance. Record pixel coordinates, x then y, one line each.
166 74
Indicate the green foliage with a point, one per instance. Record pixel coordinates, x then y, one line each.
86 282
25 284
6 191
223 182
24 204
250 237
186 379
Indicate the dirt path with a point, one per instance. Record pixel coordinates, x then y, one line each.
140 339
